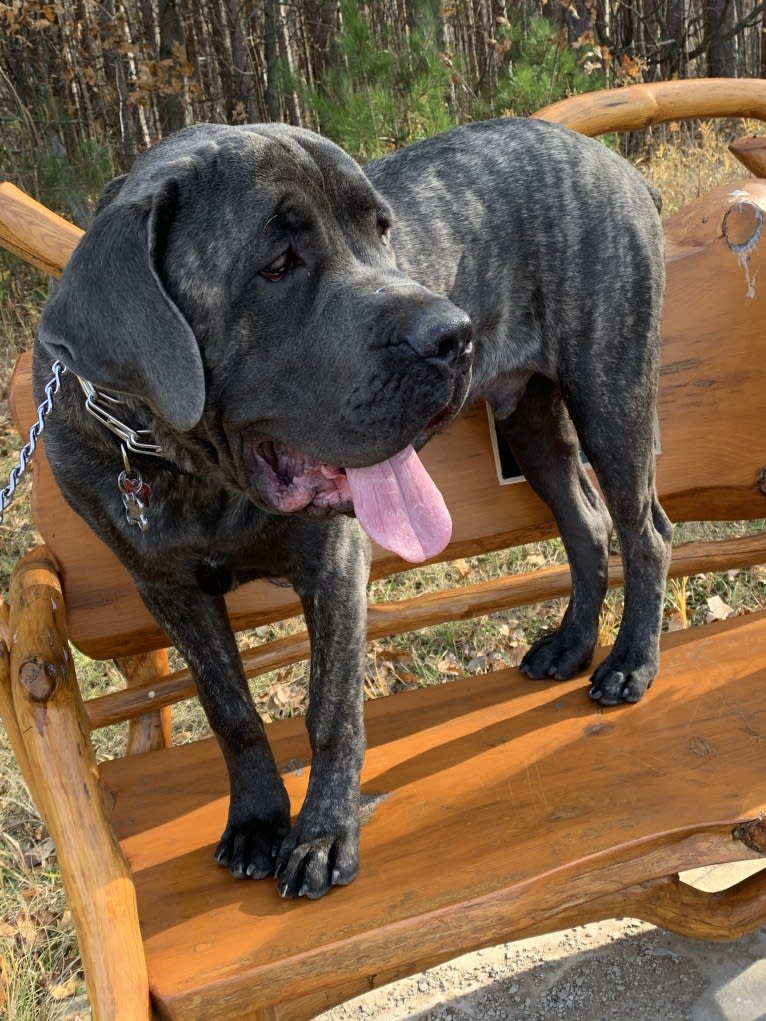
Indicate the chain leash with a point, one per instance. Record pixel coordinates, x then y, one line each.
51 389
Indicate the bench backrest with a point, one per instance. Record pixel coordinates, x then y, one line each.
711 410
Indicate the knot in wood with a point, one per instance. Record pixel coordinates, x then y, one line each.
752 833
742 224
762 480
38 679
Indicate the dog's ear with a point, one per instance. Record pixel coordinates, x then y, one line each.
110 319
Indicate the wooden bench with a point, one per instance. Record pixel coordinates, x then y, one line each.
500 807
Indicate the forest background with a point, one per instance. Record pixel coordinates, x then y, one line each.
86 85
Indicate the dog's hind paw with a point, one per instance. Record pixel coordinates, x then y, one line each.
616 681
310 868
249 849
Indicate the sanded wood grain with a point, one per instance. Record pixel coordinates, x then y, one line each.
66 788
476 775
7 708
751 153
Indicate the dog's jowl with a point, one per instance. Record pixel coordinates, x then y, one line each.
283 332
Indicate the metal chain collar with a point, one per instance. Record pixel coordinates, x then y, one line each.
133 489
96 404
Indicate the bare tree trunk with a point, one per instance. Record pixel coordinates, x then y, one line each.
245 108
116 78
171 44
722 49
271 46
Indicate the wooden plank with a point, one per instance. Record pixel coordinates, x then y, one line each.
638 106
479 834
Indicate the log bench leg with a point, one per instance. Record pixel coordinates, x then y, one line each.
153 730
51 739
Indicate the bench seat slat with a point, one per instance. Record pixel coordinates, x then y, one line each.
475 782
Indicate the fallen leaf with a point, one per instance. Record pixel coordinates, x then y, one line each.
39 854
398 655
63 990
462 567
448 664
517 653
27 929
718 609
408 679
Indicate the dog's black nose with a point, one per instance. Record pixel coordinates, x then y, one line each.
439 332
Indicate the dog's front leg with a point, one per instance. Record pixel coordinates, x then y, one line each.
259 809
322 850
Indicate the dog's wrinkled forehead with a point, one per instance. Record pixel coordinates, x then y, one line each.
237 178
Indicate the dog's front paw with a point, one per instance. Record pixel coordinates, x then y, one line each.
559 655
619 679
310 863
249 849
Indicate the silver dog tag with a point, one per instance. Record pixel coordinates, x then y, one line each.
135 495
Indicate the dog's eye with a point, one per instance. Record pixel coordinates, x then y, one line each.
281 266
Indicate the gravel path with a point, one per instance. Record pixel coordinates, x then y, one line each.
607 971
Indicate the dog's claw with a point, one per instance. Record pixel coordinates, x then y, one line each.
253 872
311 867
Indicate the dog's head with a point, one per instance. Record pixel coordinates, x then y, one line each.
240 283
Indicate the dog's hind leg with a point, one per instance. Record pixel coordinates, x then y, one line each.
544 442
620 447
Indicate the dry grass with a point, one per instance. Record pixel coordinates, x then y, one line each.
40 975
688 159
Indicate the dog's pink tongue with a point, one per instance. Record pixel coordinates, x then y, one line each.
399 506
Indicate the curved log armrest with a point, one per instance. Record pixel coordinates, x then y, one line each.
639 106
